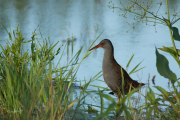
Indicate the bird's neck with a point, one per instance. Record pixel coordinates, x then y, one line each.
108 55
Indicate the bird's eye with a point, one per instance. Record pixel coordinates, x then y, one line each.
103 43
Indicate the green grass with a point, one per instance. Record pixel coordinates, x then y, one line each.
32 87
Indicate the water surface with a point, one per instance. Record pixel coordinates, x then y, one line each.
85 20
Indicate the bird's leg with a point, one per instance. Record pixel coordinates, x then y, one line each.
118 96
118 102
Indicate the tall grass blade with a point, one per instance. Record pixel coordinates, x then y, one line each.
129 62
134 69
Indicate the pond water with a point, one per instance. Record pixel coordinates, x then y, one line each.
85 20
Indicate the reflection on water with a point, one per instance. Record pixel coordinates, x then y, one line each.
85 20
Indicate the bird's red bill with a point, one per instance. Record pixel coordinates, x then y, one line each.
97 46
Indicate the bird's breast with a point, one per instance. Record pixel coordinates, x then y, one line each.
110 76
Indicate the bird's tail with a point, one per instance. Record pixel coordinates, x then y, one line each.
132 85
136 84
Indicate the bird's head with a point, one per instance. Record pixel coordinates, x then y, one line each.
106 44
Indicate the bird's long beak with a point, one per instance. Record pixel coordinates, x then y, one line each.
97 46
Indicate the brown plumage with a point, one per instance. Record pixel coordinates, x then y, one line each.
112 71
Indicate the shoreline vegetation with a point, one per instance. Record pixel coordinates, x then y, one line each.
33 87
